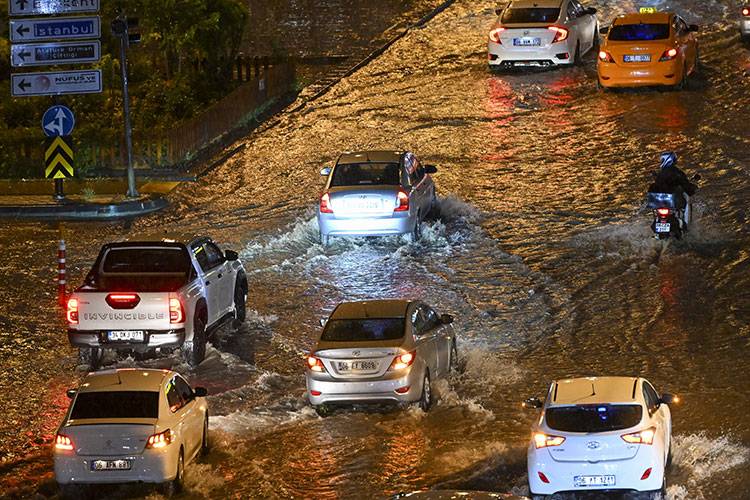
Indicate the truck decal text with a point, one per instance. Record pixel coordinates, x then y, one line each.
124 316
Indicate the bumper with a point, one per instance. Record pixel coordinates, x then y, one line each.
556 55
153 466
666 73
365 391
745 27
374 226
561 474
153 340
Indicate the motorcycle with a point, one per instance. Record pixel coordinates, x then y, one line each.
672 215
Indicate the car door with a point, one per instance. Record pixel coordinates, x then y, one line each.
442 339
178 422
658 413
425 339
224 278
587 25
191 416
419 186
688 42
573 23
211 282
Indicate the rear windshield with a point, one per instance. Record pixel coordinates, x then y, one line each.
357 330
593 418
364 174
142 269
530 15
638 32
117 404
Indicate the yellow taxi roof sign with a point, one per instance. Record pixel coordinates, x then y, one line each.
648 10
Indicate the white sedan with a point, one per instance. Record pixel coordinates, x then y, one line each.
130 425
542 33
600 433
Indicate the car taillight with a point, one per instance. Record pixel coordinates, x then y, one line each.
63 442
403 202
646 474
325 204
640 437
176 312
73 310
159 440
403 360
668 55
605 56
746 12
123 300
663 212
543 478
315 364
561 34
495 35
542 440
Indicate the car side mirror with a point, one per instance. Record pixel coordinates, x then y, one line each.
200 392
71 393
669 399
694 28
590 11
430 169
604 30
323 322
446 319
231 255
326 171
532 403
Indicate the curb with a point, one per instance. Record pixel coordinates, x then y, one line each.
84 211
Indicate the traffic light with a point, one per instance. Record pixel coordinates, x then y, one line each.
127 26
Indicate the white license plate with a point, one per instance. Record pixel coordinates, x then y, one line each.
637 58
527 42
584 481
126 336
663 227
111 465
364 205
357 366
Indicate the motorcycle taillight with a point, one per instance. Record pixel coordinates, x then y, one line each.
663 212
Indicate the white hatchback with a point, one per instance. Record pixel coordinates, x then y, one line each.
600 433
130 425
542 33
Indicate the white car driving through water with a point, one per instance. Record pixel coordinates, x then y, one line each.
376 193
542 33
130 425
602 434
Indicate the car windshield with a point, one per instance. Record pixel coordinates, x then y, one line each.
593 418
638 32
142 269
358 330
116 404
364 174
530 15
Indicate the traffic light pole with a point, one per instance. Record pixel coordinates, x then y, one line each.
124 41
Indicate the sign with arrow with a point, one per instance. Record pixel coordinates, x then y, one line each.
41 54
58 157
58 120
56 83
41 7
61 28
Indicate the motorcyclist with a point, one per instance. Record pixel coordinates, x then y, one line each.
670 179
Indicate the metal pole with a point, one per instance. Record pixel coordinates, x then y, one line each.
62 281
132 190
59 193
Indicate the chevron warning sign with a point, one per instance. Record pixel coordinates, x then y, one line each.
58 157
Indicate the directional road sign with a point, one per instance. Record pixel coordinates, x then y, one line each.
56 83
43 54
58 157
36 7
58 120
61 28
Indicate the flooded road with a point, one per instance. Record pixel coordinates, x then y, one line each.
541 249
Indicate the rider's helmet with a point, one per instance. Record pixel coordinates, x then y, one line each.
668 159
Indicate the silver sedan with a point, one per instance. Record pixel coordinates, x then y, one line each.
380 351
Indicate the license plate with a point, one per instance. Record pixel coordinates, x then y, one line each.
527 42
357 366
364 205
97 465
637 58
584 481
663 227
126 336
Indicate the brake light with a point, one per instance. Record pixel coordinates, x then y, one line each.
402 361
641 437
63 442
159 440
123 300
403 202
668 55
646 474
176 311
325 204
73 311
542 440
403 390
495 35
315 364
663 212
746 12
315 393
543 478
605 56
561 34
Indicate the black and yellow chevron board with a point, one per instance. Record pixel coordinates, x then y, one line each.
58 157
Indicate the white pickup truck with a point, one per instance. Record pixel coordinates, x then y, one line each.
156 296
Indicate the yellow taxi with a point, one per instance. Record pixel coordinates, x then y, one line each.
648 49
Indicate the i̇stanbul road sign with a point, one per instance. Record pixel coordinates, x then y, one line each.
61 28
42 54
56 83
36 7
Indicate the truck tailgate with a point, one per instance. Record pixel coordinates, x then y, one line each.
147 311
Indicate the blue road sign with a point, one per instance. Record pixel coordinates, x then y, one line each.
60 28
58 120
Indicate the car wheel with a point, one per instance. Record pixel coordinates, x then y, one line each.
176 485
669 457
325 240
322 410
416 233
195 351
205 443
577 56
240 301
425 402
682 84
596 42
453 363
91 357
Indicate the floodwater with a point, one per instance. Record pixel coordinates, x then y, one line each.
541 249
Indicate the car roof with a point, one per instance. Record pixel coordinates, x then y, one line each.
125 379
370 157
371 309
643 18
541 4
594 390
